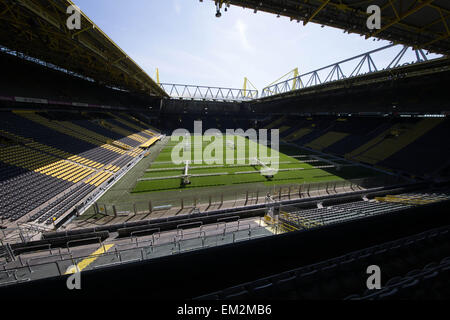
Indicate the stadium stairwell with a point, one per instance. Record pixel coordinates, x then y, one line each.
14 137
284 129
392 141
111 126
326 140
65 155
276 123
50 150
99 178
60 178
298 134
150 137
67 171
97 136
74 131
141 122
150 142
132 125
21 156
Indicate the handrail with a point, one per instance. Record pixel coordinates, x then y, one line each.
148 253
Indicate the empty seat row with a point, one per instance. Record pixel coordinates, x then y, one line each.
346 275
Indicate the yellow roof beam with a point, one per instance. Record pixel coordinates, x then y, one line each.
120 59
246 83
403 16
394 9
81 31
316 12
38 11
437 39
444 21
110 41
91 40
294 71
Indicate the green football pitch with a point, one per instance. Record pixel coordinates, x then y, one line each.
235 160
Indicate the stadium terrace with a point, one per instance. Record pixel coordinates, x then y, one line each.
331 182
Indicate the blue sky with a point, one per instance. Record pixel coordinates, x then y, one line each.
189 45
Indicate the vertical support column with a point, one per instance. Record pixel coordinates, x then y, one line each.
210 200
257 196
10 252
279 194
114 210
134 208
182 203
246 197
289 193
150 207
22 238
221 199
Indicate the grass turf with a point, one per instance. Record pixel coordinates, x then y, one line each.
308 174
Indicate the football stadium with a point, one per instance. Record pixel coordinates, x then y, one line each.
330 183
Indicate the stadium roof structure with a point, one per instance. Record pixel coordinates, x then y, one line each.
421 24
38 29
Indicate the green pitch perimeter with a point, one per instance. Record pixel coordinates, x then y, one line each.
207 148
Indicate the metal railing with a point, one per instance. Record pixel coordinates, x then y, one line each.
240 196
130 249
348 68
186 237
302 218
192 92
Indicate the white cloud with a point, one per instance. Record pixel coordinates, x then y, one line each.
242 30
177 7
